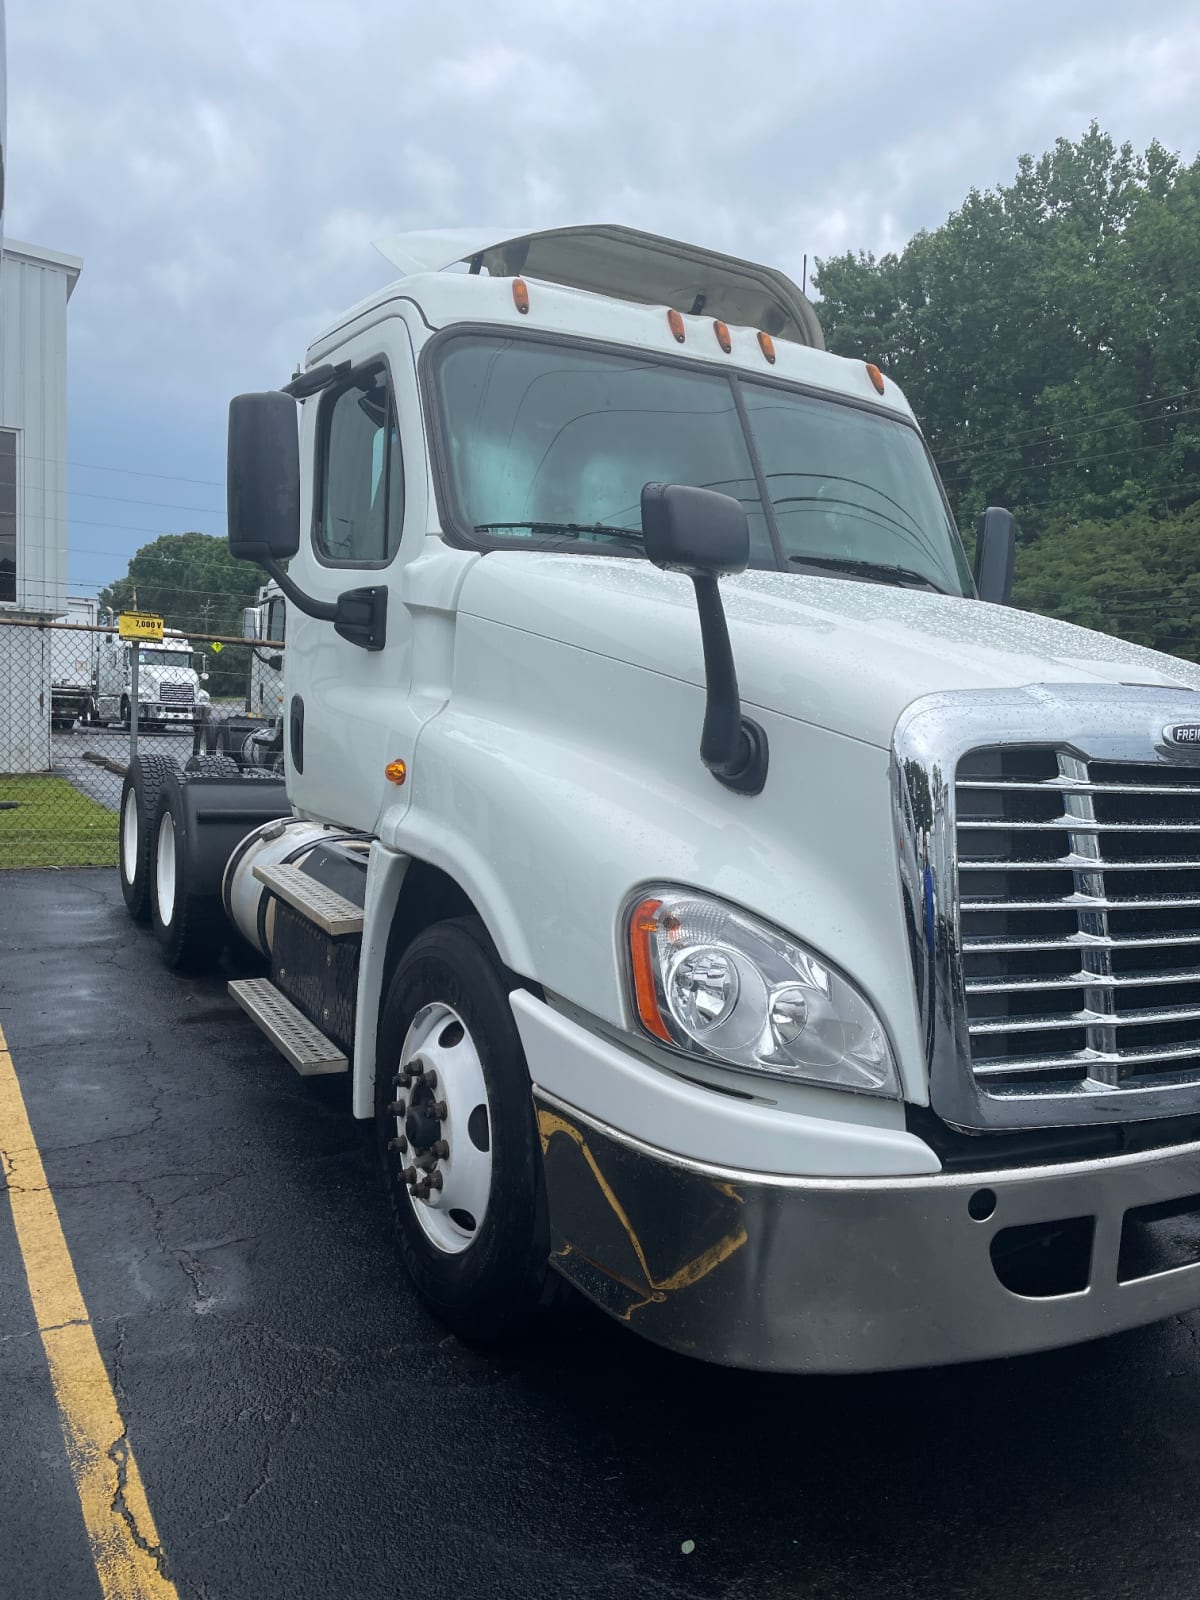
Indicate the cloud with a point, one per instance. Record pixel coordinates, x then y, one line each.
223 167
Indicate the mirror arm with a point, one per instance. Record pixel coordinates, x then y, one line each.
358 615
733 747
322 610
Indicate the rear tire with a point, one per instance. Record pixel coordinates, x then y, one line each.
139 804
211 766
189 921
477 1249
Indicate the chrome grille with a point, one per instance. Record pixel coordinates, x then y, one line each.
176 694
1079 922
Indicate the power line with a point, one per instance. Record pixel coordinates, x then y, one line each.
983 445
1062 438
128 472
1074 461
159 505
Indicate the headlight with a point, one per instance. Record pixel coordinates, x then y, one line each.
721 984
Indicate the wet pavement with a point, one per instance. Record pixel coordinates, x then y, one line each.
304 1428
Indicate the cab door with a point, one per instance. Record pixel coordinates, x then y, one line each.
363 480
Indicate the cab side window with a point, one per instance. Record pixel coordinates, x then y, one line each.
360 506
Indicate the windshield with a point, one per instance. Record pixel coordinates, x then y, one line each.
164 658
541 436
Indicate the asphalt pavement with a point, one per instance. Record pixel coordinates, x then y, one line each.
70 745
305 1429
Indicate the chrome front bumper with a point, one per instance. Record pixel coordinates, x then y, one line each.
848 1275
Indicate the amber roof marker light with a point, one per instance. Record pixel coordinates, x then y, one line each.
723 338
675 323
521 296
767 345
875 376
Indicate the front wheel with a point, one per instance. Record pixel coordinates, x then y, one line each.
456 1135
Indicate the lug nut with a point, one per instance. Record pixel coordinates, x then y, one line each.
417 1067
431 1077
410 1175
440 1149
397 1108
421 1190
439 1109
398 1143
402 1080
434 1180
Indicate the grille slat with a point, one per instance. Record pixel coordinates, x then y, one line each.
1079 929
1074 863
1074 786
1081 980
1075 825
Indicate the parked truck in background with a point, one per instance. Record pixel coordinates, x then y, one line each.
171 678
254 738
73 661
719 897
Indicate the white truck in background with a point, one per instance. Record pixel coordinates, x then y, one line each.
718 896
171 678
74 656
255 737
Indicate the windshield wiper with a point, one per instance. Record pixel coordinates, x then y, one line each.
873 571
566 529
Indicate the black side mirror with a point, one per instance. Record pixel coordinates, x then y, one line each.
263 477
995 554
694 530
706 535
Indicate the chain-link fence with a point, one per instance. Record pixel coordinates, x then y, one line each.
68 726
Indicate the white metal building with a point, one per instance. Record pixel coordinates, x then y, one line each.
35 285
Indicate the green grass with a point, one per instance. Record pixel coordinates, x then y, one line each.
54 825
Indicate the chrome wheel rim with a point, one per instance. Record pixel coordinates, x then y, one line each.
442 1138
129 836
164 869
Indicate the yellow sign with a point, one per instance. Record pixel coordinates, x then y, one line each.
217 647
140 625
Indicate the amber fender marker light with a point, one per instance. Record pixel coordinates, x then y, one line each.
723 339
521 296
875 376
675 323
643 925
396 772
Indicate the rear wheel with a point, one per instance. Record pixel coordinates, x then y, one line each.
143 784
188 918
456 1135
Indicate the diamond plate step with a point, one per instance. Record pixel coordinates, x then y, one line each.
292 1034
324 907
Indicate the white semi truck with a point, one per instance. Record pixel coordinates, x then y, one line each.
171 678
719 897
73 660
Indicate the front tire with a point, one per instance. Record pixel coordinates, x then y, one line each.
476 1247
140 793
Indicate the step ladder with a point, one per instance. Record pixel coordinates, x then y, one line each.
292 1034
325 908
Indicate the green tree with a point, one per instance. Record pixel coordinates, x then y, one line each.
195 585
1047 334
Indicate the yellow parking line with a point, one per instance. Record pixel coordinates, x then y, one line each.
120 1529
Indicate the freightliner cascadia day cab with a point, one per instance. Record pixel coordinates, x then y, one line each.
719 897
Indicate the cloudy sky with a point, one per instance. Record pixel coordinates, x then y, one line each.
222 167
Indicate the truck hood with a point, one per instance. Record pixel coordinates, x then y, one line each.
839 654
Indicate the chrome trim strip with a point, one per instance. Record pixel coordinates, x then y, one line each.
1083 723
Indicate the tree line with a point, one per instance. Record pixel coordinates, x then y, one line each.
1048 337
